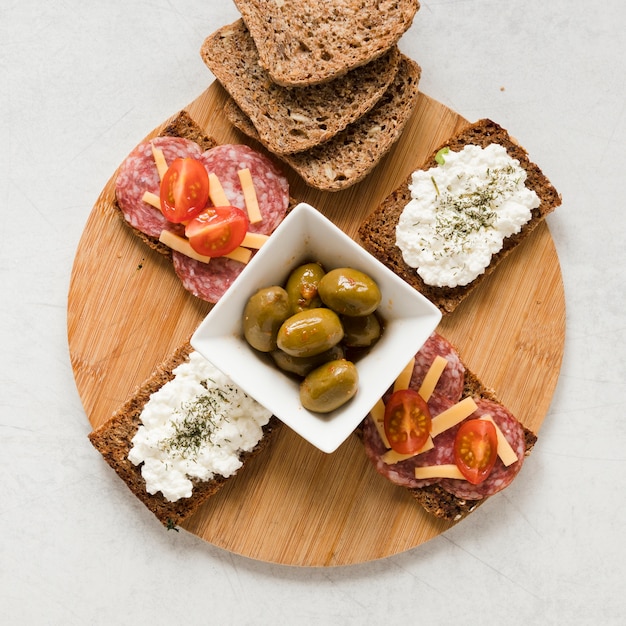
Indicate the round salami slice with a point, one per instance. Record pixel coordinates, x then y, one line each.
138 174
500 476
209 281
450 384
270 185
403 472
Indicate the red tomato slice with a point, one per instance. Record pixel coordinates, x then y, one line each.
217 231
184 190
476 449
407 421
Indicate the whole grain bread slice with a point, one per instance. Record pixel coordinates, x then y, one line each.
378 231
434 498
114 441
352 154
292 120
304 43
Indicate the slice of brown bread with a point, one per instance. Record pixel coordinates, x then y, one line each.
352 154
378 231
292 120
304 43
113 441
435 499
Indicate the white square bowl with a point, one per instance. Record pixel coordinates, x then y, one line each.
306 235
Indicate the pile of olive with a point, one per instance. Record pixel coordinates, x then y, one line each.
313 327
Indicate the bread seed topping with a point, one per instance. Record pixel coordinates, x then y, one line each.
195 427
461 211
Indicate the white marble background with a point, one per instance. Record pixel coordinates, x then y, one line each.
80 84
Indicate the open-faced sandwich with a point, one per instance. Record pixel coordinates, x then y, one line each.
207 207
182 434
442 434
455 218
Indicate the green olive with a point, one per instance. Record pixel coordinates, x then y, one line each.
263 315
301 287
310 332
302 365
329 386
362 331
349 292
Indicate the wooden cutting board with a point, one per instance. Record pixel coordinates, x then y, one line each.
294 504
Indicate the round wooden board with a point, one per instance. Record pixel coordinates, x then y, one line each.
294 504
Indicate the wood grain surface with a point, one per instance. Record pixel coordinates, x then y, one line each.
294 504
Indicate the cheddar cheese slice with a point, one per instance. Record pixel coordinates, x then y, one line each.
159 160
216 191
439 471
404 377
432 377
505 451
249 196
254 240
182 245
452 416
152 199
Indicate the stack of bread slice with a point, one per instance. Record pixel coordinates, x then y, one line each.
322 87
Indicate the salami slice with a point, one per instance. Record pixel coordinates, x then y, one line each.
209 281
500 476
450 383
270 185
138 174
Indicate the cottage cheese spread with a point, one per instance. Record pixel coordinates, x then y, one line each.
195 426
461 211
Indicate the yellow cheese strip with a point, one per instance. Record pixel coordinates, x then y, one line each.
254 240
391 456
216 191
378 415
439 471
452 416
249 196
182 245
159 160
152 199
240 254
505 451
404 377
432 377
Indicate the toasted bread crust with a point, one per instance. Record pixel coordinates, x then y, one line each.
306 43
377 232
113 440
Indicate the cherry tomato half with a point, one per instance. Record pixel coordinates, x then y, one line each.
184 190
217 231
407 421
476 449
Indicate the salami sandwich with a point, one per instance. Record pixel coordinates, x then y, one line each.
456 401
139 177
